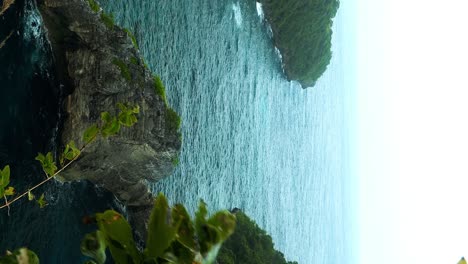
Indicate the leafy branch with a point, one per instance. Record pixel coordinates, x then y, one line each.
173 237
109 126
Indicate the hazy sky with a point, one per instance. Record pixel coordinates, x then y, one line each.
412 112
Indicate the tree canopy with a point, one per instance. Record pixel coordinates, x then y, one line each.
302 31
249 244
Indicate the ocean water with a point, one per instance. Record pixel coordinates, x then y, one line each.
251 139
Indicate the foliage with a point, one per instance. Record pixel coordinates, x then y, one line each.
159 88
110 125
134 60
5 190
302 33
123 68
173 119
250 245
94 5
127 115
108 20
172 236
132 37
20 256
47 163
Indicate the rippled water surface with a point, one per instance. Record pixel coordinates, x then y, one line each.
251 139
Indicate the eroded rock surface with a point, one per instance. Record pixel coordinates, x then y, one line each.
87 52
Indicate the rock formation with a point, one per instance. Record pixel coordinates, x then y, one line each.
99 65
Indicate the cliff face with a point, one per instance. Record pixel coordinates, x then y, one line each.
99 66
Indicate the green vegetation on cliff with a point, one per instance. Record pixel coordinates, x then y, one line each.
302 32
249 245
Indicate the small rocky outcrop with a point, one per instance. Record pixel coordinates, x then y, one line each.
100 66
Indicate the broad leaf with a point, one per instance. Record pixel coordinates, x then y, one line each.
5 176
224 222
127 115
71 151
111 125
211 233
183 254
90 134
119 237
161 229
186 231
48 163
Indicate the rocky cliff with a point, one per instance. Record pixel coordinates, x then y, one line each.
99 66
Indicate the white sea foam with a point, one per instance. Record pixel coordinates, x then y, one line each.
237 13
260 11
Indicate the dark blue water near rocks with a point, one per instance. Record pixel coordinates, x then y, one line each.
29 123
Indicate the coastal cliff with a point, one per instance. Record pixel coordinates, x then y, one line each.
302 31
99 66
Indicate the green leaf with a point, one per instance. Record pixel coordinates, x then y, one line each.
111 125
20 256
211 233
71 151
5 176
106 117
186 231
161 229
93 245
42 202
215 231
119 237
122 107
48 163
224 222
182 253
9 191
90 134
127 115
200 217
30 196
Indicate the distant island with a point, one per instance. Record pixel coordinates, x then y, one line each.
302 33
249 245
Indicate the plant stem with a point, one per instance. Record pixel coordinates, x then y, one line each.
8 203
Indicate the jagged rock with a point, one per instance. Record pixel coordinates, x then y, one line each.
86 51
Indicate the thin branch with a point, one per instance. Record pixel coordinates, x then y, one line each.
8 203
5 40
6 5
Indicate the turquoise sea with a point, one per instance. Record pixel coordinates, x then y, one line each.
251 139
